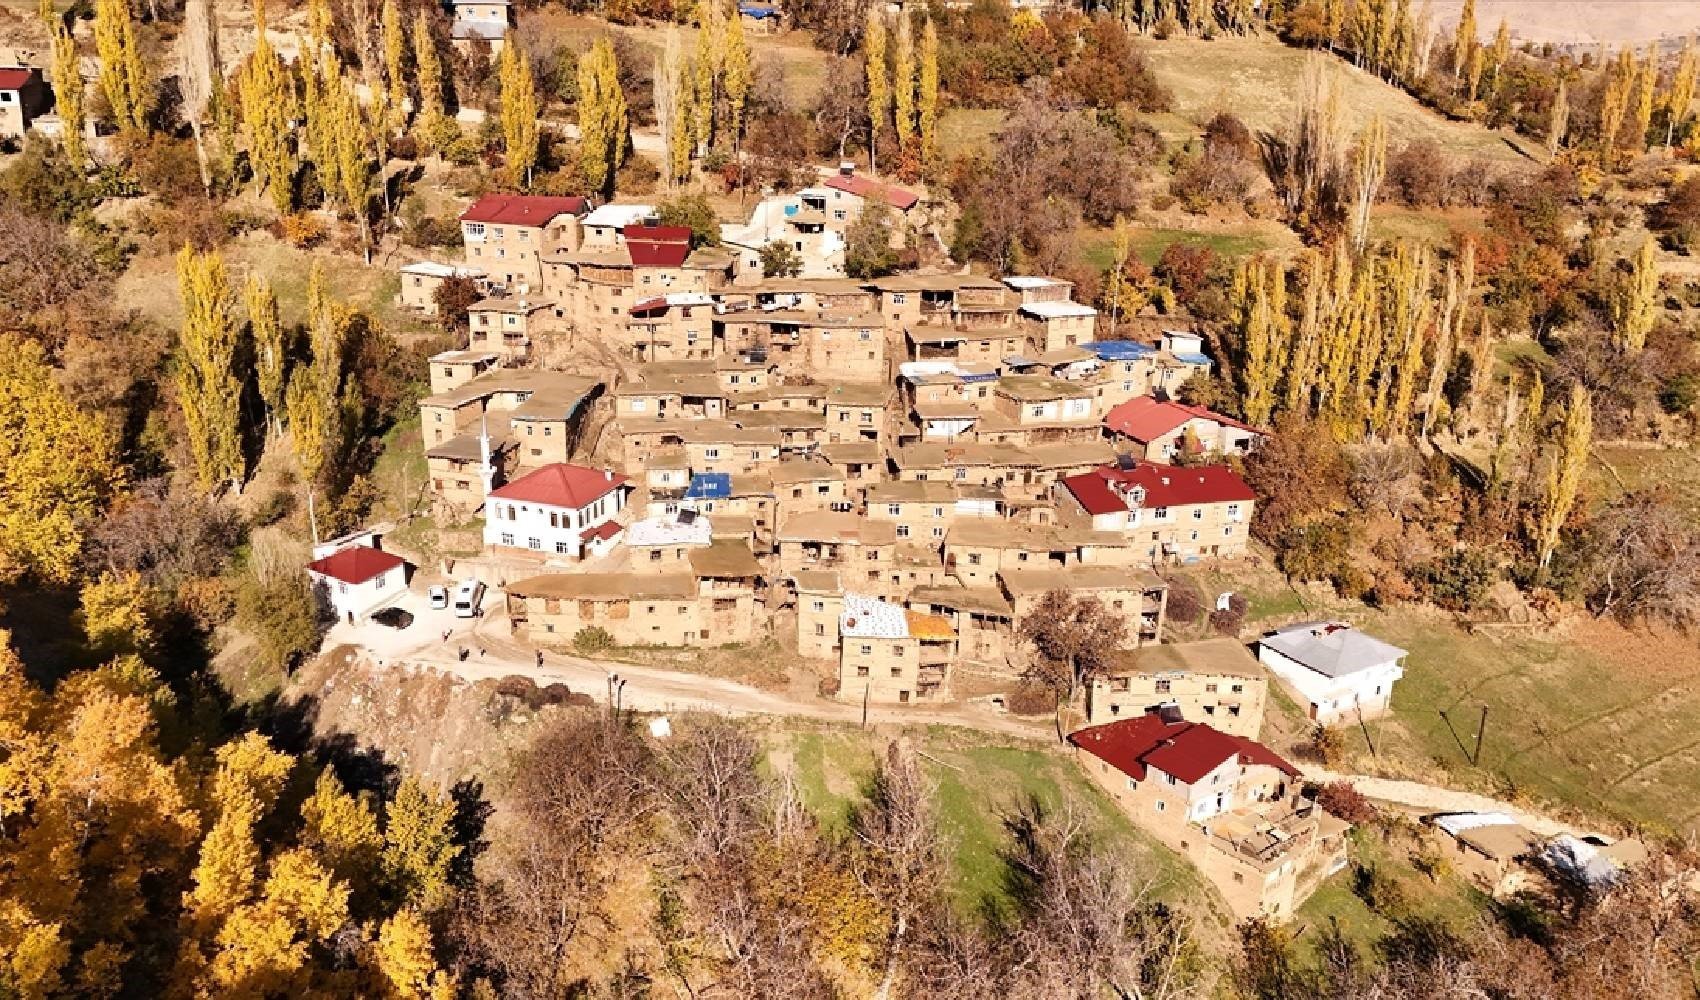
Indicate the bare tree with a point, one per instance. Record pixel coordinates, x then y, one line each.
1074 638
200 74
902 862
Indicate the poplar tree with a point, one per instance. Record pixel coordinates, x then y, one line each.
1464 40
1681 93
270 349
603 121
519 111
316 397
354 158
1559 120
1501 51
928 97
1633 305
429 76
121 74
705 66
207 387
395 65
1614 105
1564 474
673 110
1646 88
200 77
736 74
903 86
879 87
268 111
68 95
1369 168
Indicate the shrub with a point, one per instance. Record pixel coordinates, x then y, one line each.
1186 602
594 639
1379 890
284 617
463 150
301 230
1339 798
1460 581
1231 620
1028 698
1328 743
273 508
639 175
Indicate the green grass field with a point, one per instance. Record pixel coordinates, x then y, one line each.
978 783
968 130
1447 897
1098 245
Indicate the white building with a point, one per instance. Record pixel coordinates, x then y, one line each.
558 510
358 579
1338 671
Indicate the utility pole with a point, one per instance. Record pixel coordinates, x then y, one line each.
1481 727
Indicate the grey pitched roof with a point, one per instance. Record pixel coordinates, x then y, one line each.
1333 649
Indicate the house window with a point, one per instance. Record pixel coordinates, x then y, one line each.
867 650
903 531
820 629
1163 686
862 670
898 298
535 544
1209 689
507 538
1132 785
894 510
973 558
1159 805
563 549
711 453
1198 513
1168 779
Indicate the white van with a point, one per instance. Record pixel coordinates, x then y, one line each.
467 598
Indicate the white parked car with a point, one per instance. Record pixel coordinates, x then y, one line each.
439 596
468 597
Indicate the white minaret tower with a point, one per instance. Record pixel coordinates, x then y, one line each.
486 470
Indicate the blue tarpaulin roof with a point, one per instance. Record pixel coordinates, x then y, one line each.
757 10
1119 350
1193 359
709 486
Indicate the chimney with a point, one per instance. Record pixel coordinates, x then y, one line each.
608 474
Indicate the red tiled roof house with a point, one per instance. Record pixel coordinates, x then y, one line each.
357 580
1171 513
1230 804
560 511
508 235
1160 430
23 98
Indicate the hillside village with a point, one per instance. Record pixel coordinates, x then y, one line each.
836 498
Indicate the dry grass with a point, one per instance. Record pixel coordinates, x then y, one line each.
1579 22
1257 79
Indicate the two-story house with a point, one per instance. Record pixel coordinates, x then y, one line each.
559 510
1215 681
1172 513
889 653
508 235
23 98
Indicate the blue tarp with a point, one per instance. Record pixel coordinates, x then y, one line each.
1193 359
1119 350
757 11
710 486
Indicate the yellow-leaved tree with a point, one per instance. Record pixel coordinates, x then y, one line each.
269 108
207 388
58 467
603 120
519 111
419 847
122 75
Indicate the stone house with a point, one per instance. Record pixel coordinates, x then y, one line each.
820 601
636 609
890 654
421 279
1161 430
510 326
1337 672
1213 681
558 510
923 512
508 235
1229 804
1170 513
1140 597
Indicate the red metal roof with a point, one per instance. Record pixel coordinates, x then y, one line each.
15 79
355 564
658 246
861 187
522 209
1146 418
1187 750
658 304
561 485
605 530
1103 490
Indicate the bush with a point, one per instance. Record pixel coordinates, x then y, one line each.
1232 620
273 508
1379 890
1339 798
431 231
592 640
1460 581
639 176
1329 744
1186 602
284 617
1028 698
463 150
301 230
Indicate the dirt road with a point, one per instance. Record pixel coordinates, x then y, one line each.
1433 799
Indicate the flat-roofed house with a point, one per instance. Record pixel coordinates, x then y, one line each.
559 510
982 617
1171 513
1231 805
635 609
1051 326
480 21
862 552
508 235
509 326
421 280
1338 672
924 511
1215 681
891 654
820 600
1140 597
1162 430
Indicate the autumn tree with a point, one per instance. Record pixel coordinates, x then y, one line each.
1558 122
68 94
927 96
122 76
207 388
903 87
268 112
270 348
519 112
1679 99
1564 473
200 77
737 74
902 852
604 123
1074 640
879 82
1633 300
428 75
419 849
1369 168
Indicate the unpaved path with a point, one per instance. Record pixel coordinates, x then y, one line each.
1432 798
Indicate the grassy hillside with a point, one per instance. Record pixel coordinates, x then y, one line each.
1257 79
978 782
